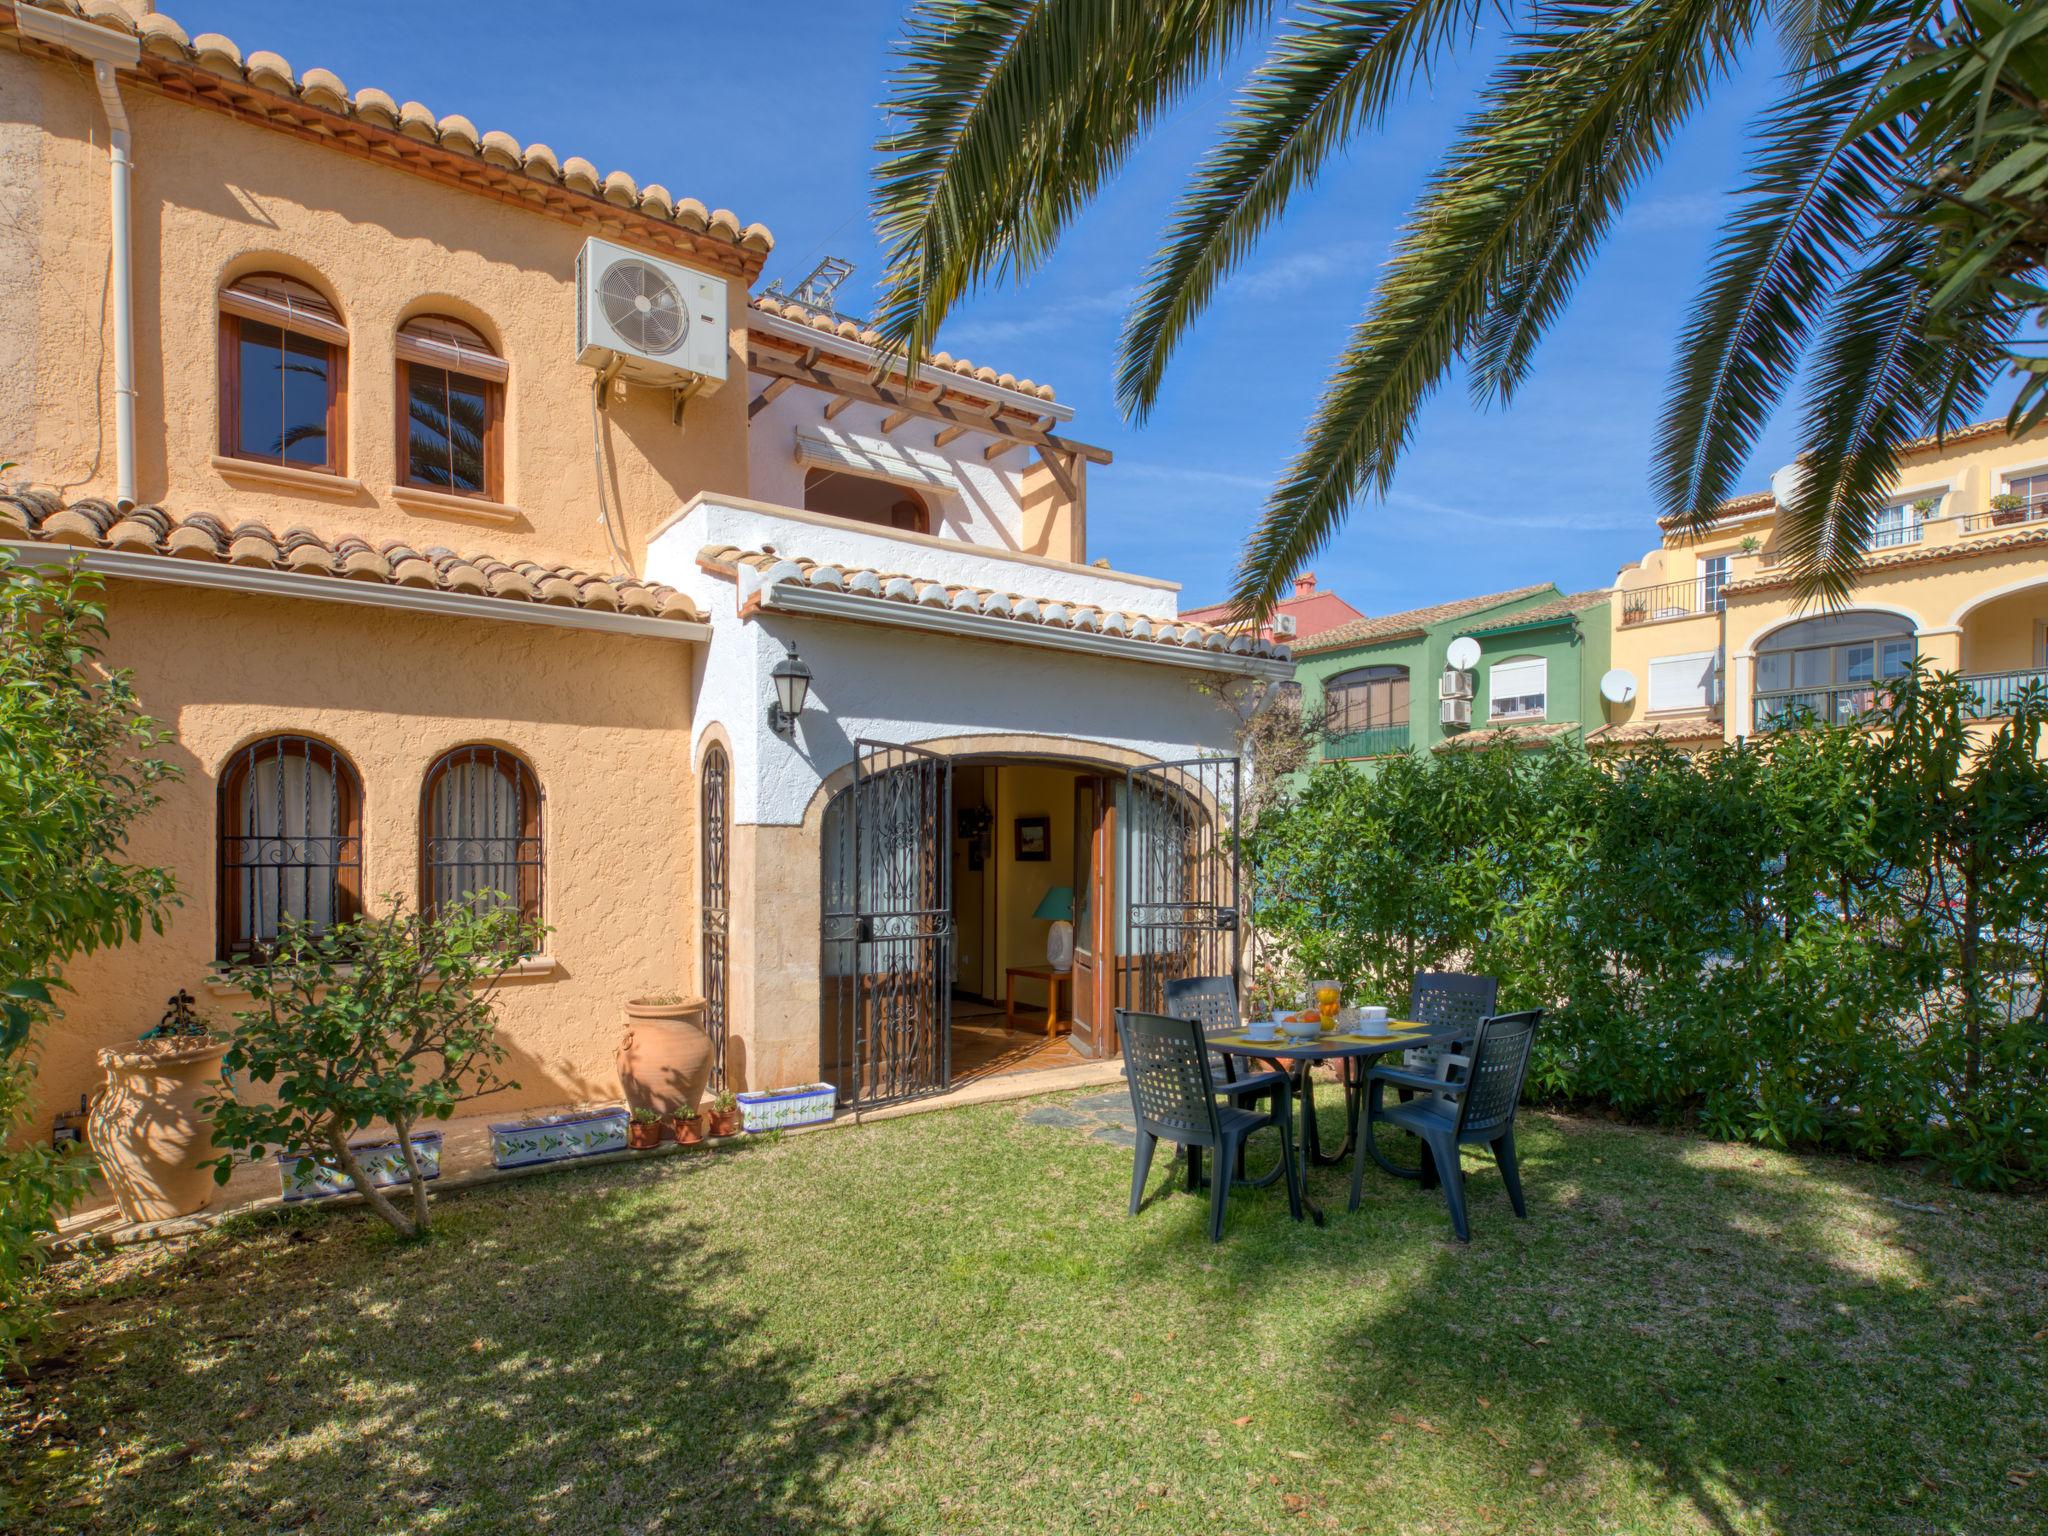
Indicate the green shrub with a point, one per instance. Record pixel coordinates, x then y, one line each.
1827 937
387 1018
77 770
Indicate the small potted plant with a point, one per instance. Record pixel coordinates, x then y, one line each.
1634 610
1924 506
725 1113
689 1127
1750 544
2007 508
644 1130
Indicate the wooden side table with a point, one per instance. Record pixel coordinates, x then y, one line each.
1053 980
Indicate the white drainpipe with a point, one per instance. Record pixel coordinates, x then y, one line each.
108 51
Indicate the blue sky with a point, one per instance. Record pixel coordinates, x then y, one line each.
770 109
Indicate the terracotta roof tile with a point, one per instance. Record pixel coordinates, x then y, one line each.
1534 734
1387 626
868 336
1966 548
937 592
43 517
1563 608
167 47
1689 730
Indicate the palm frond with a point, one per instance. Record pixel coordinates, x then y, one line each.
1575 117
1880 378
1823 177
1008 115
1331 73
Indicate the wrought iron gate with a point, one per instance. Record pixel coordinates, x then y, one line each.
714 823
1180 861
886 961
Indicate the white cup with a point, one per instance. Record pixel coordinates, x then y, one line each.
1374 1019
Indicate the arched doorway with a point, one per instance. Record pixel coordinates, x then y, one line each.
985 911
1830 669
863 499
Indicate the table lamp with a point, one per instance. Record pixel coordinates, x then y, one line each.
1057 908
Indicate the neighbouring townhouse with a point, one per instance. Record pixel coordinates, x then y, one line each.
1307 611
475 522
1517 668
1711 643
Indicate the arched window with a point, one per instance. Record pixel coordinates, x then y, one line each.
1367 698
291 841
480 832
1828 667
283 374
451 407
860 499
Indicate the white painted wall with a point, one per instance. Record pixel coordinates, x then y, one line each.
878 683
987 509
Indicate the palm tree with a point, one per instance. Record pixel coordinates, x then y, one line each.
1847 254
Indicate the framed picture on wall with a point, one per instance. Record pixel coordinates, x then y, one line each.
1034 839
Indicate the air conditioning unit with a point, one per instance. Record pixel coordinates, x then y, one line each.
661 323
1457 711
1284 626
1456 683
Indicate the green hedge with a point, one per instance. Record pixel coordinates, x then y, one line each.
1829 937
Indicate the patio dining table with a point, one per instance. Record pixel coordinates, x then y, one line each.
1296 1057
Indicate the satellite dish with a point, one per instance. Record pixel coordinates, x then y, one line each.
1463 654
1618 685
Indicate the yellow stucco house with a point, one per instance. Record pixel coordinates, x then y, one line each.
1711 645
466 512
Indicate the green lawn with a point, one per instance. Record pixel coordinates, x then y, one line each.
947 1323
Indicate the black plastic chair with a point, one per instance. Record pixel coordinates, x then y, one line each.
1211 1001
1174 1098
1478 1109
1447 997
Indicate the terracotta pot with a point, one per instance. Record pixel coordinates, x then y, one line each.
643 1134
690 1132
725 1124
146 1127
665 1057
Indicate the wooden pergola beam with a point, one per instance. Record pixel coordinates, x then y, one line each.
1000 447
947 434
1061 469
766 398
897 398
837 404
894 420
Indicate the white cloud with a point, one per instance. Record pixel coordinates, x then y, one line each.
998 331
1305 269
1507 514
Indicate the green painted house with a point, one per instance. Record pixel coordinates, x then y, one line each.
1541 653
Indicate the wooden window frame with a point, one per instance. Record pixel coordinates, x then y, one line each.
1371 678
231 398
532 877
231 920
494 433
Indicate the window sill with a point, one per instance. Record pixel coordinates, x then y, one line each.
532 966
417 498
288 476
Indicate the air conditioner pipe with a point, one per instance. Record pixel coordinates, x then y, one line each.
108 51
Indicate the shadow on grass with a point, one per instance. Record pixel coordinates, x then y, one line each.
550 1360
1671 1320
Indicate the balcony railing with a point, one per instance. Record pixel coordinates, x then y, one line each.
1896 535
2012 517
1993 694
1671 600
1375 741
1819 706
1996 693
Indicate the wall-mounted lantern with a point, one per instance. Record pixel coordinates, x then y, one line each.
792 681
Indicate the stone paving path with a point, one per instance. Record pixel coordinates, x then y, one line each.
1104 1117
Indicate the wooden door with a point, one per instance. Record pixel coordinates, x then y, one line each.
1094 1032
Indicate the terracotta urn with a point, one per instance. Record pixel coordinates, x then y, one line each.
664 1058
146 1127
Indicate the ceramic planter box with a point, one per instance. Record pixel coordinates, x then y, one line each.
519 1143
306 1179
784 1107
